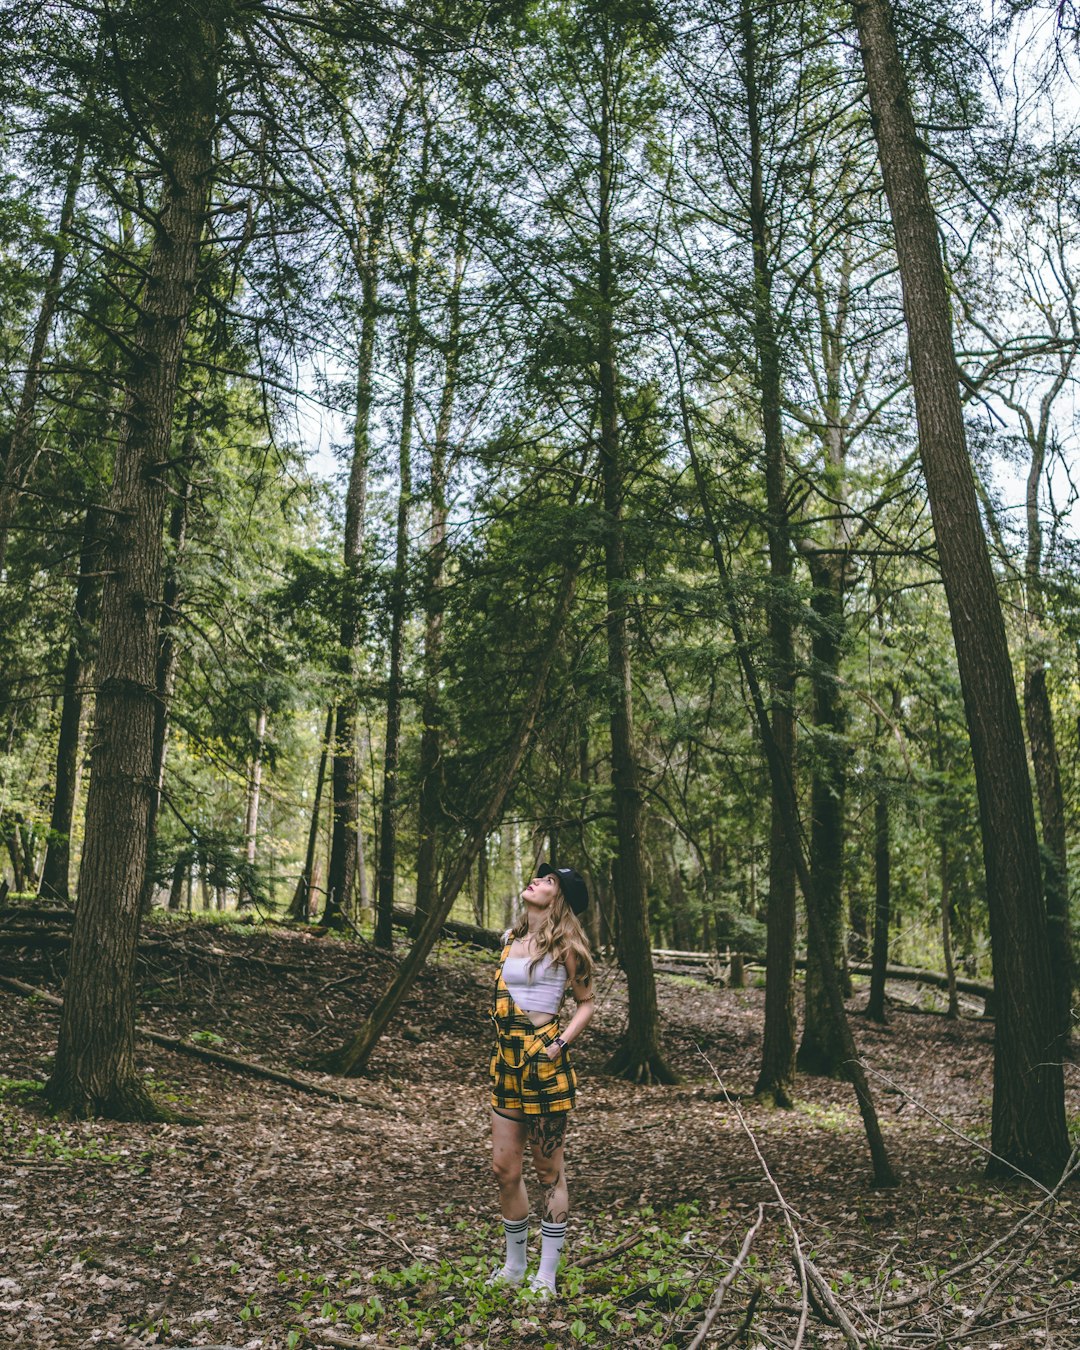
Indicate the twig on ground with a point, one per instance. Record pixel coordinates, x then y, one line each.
726 1282
825 1294
372 1228
594 1258
233 1062
1047 1202
785 1209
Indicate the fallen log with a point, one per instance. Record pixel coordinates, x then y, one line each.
471 933
233 1062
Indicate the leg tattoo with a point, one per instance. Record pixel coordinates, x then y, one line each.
547 1132
548 1189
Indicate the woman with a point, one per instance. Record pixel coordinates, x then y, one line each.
532 1082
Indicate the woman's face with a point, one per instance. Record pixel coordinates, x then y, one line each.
541 892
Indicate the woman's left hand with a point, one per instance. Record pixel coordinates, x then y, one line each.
553 1051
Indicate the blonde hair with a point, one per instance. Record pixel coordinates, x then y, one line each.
559 935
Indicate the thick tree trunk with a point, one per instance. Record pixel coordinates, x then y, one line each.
777 1072
300 907
353 1057
94 1071
55 875
1028 1129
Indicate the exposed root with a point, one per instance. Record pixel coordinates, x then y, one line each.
647 1068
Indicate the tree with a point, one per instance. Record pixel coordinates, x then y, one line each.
1028 1116
94 1069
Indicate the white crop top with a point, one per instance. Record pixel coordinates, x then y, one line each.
543 992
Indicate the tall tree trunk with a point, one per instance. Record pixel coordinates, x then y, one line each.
353 1057
369 204
821 1050
22 450
1028 1129
181 870
94 1071
946 927
345 774
251 815
168 652
875 1004
481 884
784 793
300 906
1039 717
776 1075
384 901
430 803
637 1056
55 875
9 827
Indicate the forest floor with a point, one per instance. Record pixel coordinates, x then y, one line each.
272 1219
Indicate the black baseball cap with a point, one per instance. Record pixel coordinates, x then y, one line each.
573 885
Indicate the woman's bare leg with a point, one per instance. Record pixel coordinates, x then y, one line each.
546 1135
507 1152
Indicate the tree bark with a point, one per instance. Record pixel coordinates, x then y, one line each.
168 654
353 1057
345 774
384 900
181 870
776 1075
821 1050
638 1056
345 777
368 204
1028 1129
946 928
1039 717
251 814
875 1004
55 874
300 907
94 1071
430 802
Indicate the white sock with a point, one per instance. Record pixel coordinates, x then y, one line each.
553 1235
517 1246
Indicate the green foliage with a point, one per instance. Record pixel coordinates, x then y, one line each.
637 1292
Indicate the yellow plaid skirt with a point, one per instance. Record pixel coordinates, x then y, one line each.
523 1077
